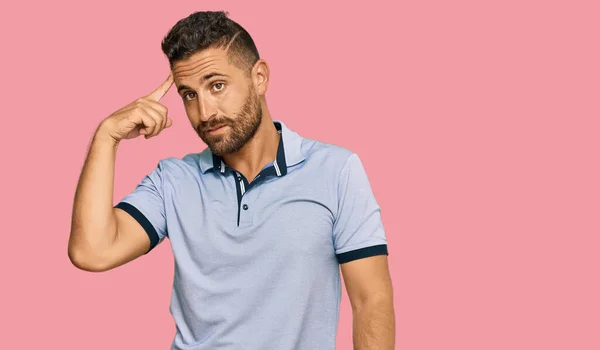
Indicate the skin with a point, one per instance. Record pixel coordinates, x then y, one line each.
103 238
370 291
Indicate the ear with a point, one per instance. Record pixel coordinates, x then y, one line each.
260 76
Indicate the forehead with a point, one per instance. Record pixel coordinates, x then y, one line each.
201 63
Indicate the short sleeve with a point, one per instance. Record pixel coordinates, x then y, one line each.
358 229
146 205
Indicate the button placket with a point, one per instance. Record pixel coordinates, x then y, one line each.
244 215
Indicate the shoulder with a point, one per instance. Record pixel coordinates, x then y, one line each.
174 167
330 157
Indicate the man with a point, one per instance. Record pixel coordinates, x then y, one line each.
260 222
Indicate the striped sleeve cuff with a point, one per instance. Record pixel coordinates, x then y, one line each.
142 220
362 253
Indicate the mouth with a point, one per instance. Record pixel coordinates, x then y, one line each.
216 129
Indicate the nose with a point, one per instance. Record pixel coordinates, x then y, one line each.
206 109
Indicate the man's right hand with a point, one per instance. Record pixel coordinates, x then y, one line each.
144 116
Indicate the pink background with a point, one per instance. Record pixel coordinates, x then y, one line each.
477 122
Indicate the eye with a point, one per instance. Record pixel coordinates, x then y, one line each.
188 96
218 87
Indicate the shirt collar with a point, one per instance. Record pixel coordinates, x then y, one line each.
289 153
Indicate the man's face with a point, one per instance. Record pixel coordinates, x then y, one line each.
220 100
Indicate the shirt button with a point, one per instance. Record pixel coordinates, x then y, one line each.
245 206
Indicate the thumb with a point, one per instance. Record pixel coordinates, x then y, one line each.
169 122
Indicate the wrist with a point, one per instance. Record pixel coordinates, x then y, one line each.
103 136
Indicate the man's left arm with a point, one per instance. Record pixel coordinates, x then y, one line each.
369 288
361 249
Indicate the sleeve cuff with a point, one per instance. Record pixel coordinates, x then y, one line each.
362 253
142 220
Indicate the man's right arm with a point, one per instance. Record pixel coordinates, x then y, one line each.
102 236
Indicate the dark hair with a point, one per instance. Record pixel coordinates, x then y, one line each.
210 29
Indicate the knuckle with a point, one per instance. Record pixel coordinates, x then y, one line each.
161 109
140 103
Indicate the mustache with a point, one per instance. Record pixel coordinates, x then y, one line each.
214 123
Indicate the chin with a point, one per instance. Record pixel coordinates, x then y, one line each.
218 148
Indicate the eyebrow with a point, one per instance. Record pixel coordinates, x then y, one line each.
204 78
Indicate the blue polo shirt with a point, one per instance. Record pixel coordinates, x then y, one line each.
257 262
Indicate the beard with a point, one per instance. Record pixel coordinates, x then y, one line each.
242 128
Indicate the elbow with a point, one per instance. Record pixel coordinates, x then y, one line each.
85 260
373 302
382 297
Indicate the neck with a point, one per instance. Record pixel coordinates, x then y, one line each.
258 152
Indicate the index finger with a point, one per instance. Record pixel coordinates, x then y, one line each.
157 94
